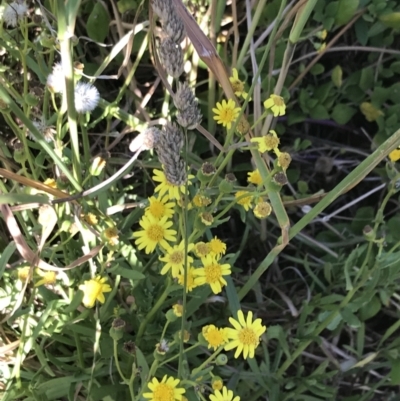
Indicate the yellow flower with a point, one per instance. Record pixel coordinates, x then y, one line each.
111 236
244 200
212 273
201 200
206 218
91 219
226 113
245 336
217 383
276 104
23 273
284 159
266 142
237 84
190 283
48 277
201 249
155 232
226 395
50 182
159 208
175 259
93 290
214 336
178 309
166 390
186 336
217 247
370 112
394 155
165 187
262 210
321 47
254 177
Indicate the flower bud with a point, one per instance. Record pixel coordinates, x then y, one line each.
206 172
117 329
221 360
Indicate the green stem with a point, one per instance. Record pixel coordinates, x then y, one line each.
152 312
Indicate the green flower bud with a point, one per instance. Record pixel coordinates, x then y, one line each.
222 359
117 329
206 172
170 315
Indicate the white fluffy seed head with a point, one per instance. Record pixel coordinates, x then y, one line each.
14 12
55 81
86 97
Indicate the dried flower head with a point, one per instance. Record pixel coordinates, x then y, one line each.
262 210
46 131
86 97
190 117
55 80
174 27
14 12
146 140
168 149
171 57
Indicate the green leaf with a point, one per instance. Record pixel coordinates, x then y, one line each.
317 69
319 112
346 11
370 309
342 113
97 23
366 79
361 28
128 273
395 373
337 76
391 20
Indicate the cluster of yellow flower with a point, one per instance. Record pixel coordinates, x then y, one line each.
244 336
156 231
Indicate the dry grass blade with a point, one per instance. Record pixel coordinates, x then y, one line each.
205 48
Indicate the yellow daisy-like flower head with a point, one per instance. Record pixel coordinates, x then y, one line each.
190 283
284 159
91 219
226 113
266 142
225 395
212 273
155 232
110 235
201 249
175 259
244 198
215 336
276 104
165 187
217 247
159 208
217 383
201 200
23 273
47 277
237 84
166 390
262 210
50 182
254 177
206 218
394 155
370 112
93 290
245 336
178 309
